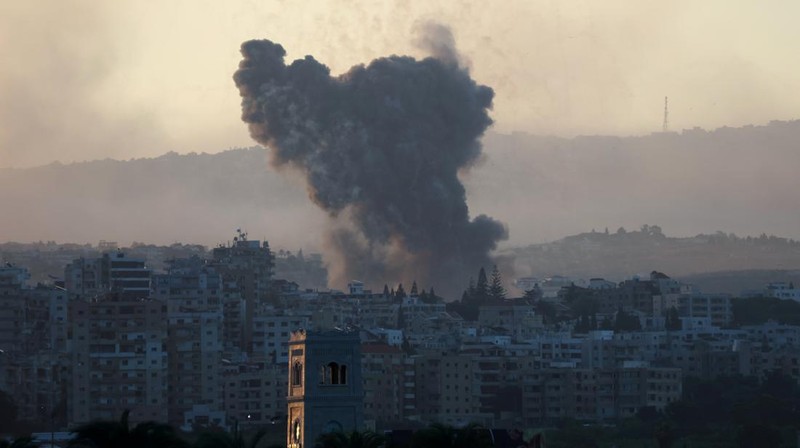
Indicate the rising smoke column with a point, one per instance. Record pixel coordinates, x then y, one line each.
381 147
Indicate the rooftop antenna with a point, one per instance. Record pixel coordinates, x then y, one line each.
666 115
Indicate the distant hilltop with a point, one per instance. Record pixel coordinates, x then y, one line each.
738 180
706 259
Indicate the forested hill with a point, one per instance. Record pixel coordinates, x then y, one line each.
742 180
619 254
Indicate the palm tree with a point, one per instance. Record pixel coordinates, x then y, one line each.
664 435
355 439
233 439
438 435
118 434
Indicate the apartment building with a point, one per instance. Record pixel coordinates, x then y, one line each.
194 348
118 360
271 330
515 318
86 278
254 392
717 307
189 285
389 385
596 394
246 267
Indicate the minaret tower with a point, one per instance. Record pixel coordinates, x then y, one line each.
325 385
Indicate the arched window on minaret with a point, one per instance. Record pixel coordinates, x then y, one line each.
333 374
297 374
333 368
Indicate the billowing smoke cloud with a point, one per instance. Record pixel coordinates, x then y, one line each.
381 147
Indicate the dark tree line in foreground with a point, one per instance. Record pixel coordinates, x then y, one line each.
729 411
120 434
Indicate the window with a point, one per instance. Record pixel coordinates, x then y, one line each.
333 374
297 374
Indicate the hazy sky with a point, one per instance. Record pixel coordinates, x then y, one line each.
133 78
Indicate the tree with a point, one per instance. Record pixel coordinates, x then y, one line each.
355 439
233 439
496 290
117 434
400 293
414 291
533 294
758 434
547 310
664 435
438 435
8 412
656 231
481 288
626 322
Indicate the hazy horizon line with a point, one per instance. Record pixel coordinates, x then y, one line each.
311 249
59 162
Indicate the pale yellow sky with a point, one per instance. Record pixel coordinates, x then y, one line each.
136 78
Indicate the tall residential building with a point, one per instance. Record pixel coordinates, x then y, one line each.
194 347
14 309
33 331
389 385
192 293
119 359
246 267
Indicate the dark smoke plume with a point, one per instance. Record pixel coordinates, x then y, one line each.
381 147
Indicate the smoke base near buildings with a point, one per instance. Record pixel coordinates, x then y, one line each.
381 148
